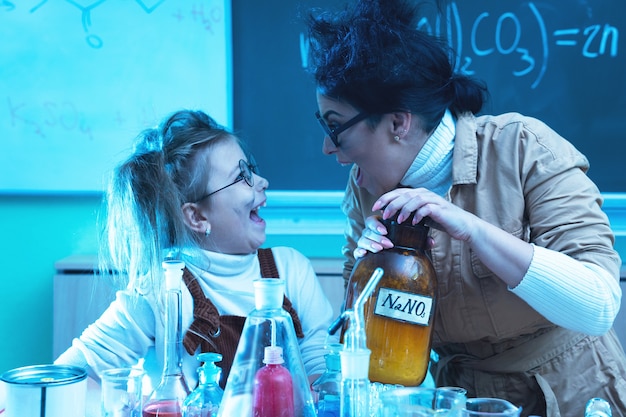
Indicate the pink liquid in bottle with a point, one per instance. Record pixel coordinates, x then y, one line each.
166 408
273 387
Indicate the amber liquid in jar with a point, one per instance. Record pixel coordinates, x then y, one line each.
399 313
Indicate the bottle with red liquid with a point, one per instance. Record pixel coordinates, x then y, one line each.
167 399
273 387
260 379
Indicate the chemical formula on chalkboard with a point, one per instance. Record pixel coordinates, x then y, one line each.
524 35
506 34
207 18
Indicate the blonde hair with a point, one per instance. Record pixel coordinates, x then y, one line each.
143 220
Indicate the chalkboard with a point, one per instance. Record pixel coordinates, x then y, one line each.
562 62
79 80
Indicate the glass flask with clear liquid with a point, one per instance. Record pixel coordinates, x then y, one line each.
167 398
266 328
399 313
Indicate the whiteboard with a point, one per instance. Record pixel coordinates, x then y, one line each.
80 79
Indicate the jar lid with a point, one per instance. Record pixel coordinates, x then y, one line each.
406 234
44 375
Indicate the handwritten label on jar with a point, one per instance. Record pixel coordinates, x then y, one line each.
399 305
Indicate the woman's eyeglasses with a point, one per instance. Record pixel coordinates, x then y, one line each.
333 134
246 174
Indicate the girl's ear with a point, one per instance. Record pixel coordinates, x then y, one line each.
195 218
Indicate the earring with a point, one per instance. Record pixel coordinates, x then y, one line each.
396 138
207 231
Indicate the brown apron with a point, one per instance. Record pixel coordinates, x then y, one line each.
220 334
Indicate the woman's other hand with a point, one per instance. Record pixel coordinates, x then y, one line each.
421 202
373 238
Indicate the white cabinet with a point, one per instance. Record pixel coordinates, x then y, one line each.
80 297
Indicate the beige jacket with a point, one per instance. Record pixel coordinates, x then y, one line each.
518 174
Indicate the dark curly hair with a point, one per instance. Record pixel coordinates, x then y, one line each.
371 56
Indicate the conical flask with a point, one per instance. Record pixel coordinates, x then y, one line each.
167 399
266 329
399 313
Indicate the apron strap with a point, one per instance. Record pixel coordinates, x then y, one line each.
206 319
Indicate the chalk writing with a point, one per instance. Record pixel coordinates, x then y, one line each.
595 41
51 115
207 17
505 34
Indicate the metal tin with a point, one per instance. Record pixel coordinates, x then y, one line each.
45 391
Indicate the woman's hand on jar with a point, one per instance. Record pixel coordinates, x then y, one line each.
373 238
421 202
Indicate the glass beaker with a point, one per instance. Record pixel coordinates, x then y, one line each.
490 407
121 392
422 402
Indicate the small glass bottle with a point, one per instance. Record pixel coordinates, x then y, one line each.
273 387
399 313
355 384
598 407
268 325
355 356
205 400
327 388
167 398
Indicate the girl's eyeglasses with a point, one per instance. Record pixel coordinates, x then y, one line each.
246 174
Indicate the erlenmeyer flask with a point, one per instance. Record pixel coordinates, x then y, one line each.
267 326
167 399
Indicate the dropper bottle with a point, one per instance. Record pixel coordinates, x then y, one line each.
167 399
327 388
205 400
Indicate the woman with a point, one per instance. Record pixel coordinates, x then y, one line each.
527 274
189 190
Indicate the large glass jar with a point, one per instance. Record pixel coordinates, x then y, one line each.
400 311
